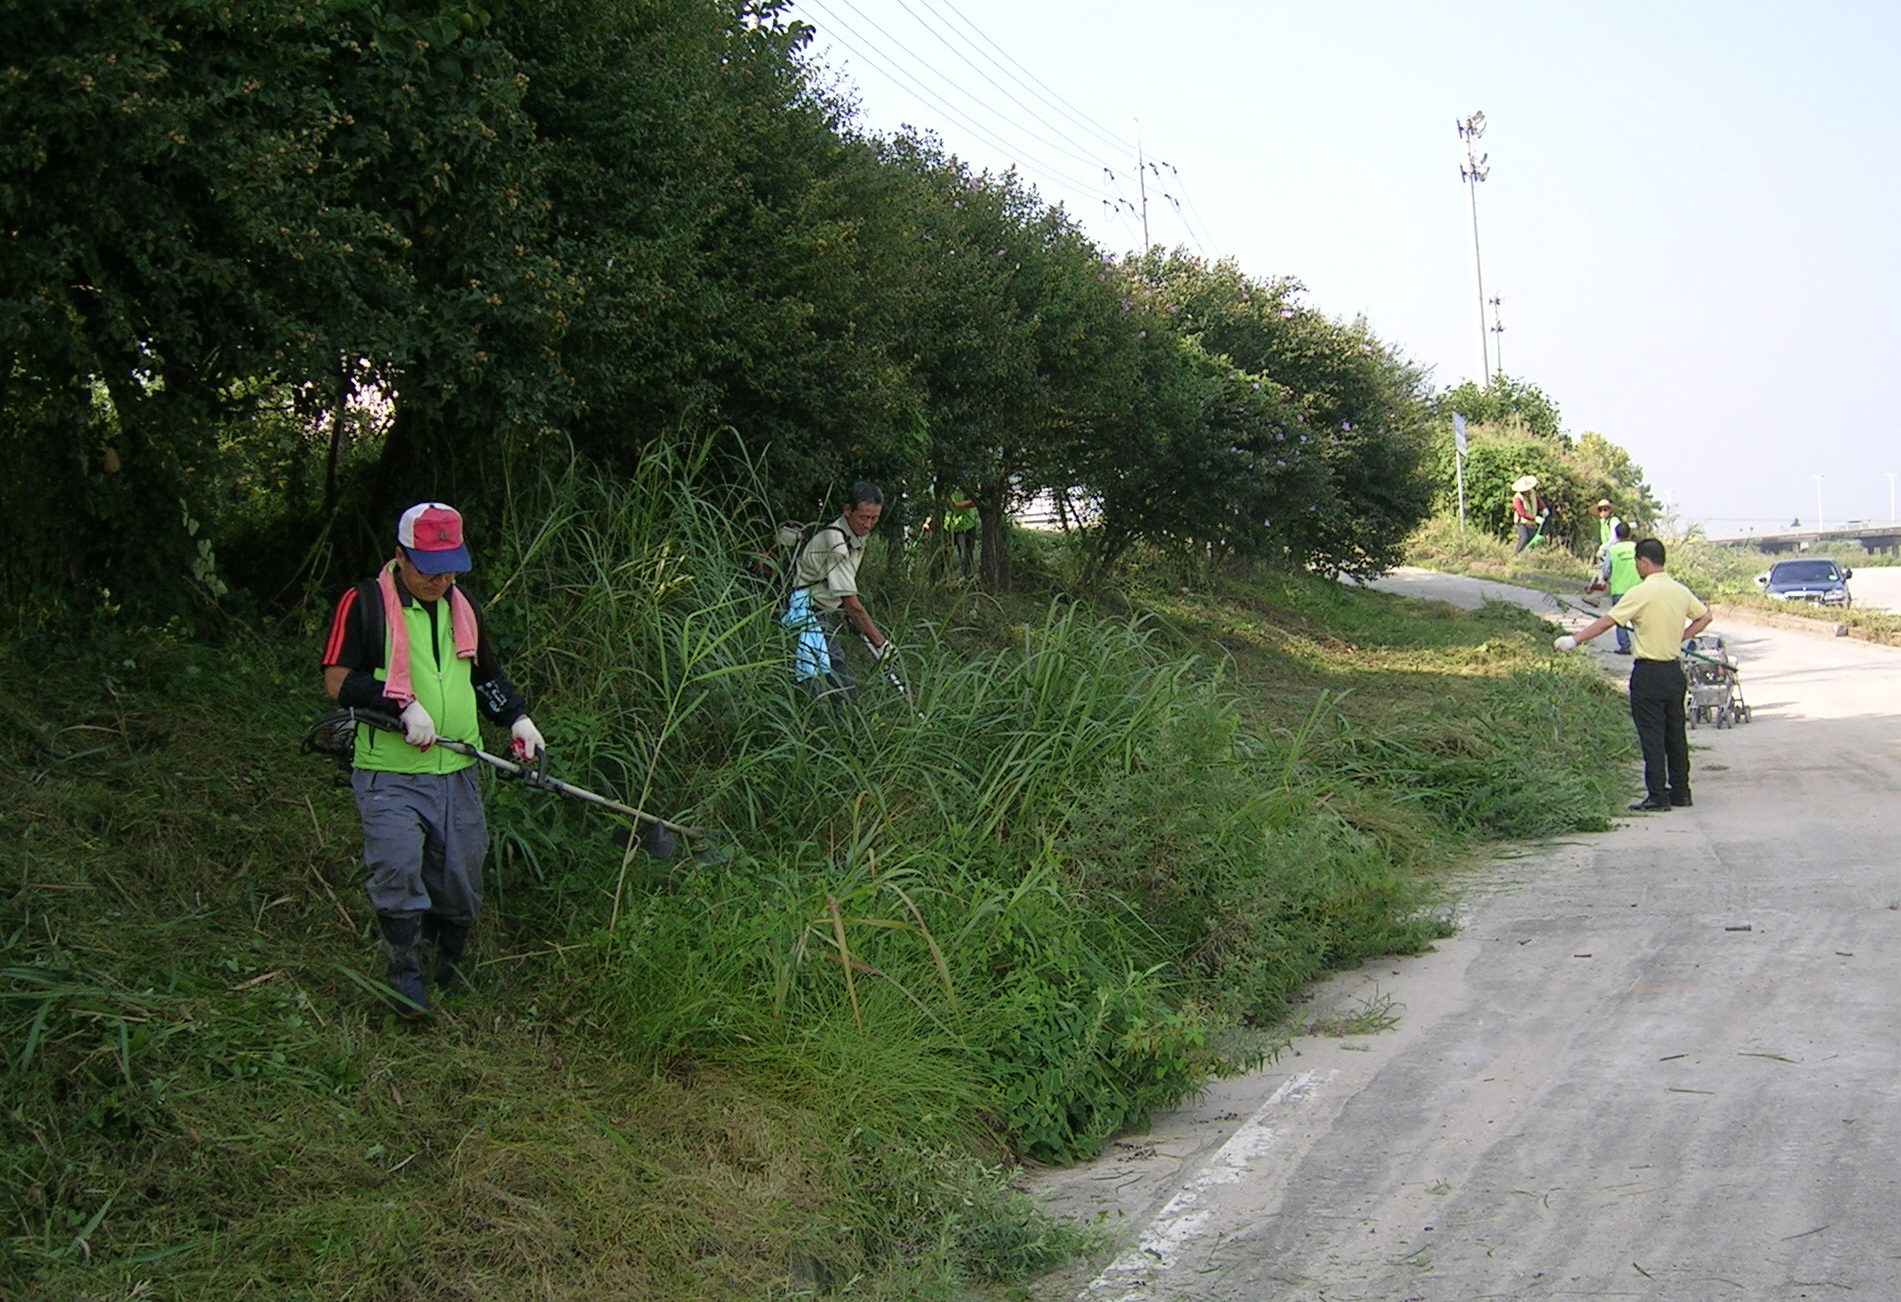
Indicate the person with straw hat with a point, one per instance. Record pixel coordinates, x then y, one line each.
1607 523
1528 510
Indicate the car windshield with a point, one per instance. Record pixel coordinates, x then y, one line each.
1804 572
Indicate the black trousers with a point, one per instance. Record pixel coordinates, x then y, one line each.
1657 689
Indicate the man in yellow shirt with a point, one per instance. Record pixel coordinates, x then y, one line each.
1660 614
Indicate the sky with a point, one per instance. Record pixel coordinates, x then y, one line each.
1689 215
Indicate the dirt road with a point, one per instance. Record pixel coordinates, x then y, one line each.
1663 1062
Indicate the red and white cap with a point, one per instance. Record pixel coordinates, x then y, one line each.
431 534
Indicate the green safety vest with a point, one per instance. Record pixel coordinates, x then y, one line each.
1624 575
447 693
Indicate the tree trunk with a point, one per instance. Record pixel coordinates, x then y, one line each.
341 402
992 522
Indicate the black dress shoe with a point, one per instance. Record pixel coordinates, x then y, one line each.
1680 800
1651 807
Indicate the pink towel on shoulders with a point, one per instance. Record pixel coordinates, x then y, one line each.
461 613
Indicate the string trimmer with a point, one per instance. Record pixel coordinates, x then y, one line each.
335 735
891 674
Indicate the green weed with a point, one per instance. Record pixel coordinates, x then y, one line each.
1122 838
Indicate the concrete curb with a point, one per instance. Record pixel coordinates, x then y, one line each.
1750 615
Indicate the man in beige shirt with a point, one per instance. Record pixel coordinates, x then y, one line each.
825 596
1661 615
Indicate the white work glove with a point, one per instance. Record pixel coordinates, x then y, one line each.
883 651
419 730
1565 643
528 742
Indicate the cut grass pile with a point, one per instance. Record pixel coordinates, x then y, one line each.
1122 838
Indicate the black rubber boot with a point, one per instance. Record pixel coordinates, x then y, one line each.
452 942
402 969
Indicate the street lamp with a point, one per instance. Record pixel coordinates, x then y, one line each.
1818 506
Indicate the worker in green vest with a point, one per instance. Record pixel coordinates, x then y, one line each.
960 522
410 644
1607 523
1620 575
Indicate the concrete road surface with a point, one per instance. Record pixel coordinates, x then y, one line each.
1663 1062
1876 587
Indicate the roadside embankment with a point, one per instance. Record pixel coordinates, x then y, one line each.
1091 878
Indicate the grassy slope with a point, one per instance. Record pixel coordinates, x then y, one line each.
202 1101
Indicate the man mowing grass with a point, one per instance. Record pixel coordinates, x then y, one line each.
1660 614
824 598
410 644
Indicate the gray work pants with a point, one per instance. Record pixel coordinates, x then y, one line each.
424 837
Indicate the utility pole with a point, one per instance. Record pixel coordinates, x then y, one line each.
1141 184
1498 337
1472 171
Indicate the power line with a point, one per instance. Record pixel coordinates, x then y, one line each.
890 58
914 57
1190 217
897 73
1084 157
1037 87
1181 184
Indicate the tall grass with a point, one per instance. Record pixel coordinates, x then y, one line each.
1078 836
1079 883
1441 544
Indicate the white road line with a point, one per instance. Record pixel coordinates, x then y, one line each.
1181 1219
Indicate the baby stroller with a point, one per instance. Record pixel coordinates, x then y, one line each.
1716 693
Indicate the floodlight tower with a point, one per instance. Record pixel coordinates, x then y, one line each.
1472 171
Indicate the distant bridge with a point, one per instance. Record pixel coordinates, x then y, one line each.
1874 537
